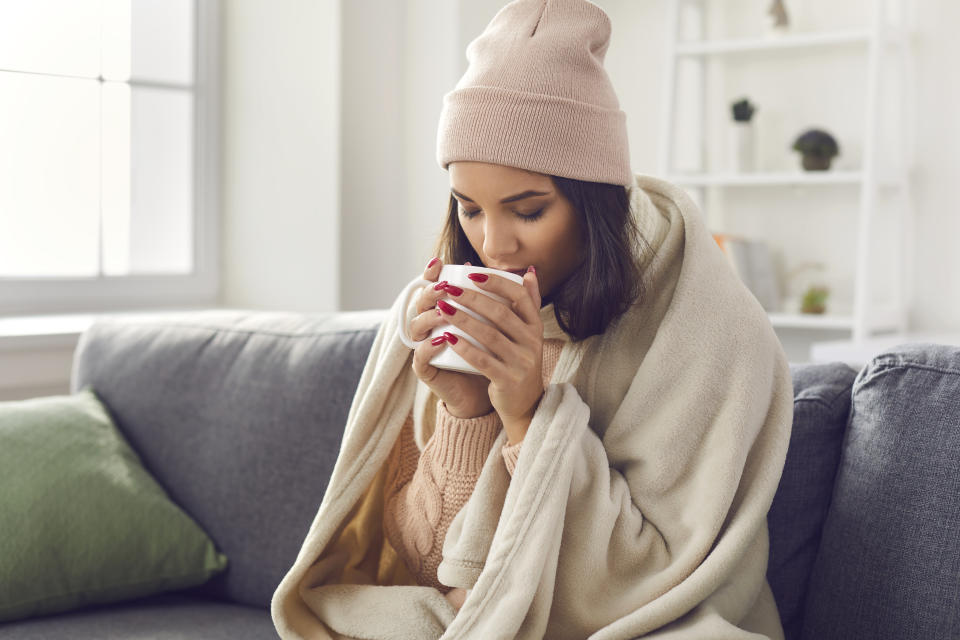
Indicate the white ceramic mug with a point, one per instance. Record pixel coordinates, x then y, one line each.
455 274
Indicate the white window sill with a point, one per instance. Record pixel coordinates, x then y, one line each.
58 331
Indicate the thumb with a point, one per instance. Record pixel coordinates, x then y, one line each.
532 286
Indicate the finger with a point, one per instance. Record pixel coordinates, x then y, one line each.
517 294
432 271
422 356
491 337
424 323
427 299
487 365
533 287
501 315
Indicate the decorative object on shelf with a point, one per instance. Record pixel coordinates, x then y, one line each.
779 20
818 148
742 143
800 279
814 299
753 263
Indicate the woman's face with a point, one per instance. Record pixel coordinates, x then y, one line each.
501 230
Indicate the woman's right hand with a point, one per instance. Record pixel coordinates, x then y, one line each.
465 394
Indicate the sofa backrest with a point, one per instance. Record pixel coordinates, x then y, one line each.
239 416
821 404
888 566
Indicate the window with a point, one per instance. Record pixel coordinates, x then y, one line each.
107 154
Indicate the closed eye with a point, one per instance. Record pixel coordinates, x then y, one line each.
526 218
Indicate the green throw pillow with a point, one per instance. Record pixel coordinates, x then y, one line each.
81 521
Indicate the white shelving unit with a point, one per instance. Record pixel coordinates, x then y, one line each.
886 33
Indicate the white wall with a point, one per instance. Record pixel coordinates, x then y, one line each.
332 197
281 181
397 61
423 42
937 277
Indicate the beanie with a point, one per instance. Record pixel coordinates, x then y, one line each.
536 96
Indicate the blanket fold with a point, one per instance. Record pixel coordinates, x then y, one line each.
638 503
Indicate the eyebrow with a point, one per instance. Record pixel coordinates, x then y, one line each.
519 196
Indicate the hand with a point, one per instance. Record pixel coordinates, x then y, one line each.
515 369
456 597
464 394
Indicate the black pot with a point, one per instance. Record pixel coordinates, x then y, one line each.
815 163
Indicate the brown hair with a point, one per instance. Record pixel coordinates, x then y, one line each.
609 280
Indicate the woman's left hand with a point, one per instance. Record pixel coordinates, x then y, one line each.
515 340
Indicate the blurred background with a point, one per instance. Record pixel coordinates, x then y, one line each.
280 155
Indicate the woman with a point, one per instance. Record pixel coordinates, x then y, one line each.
531 218
609 473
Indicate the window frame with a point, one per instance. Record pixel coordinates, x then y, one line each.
200 288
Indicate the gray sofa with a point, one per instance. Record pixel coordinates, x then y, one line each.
239 416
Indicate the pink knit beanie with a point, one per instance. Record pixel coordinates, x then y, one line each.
536 96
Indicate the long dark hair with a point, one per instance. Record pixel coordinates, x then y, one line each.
609 280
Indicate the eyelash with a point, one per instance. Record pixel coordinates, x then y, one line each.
526 218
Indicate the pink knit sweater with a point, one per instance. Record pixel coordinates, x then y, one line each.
425 490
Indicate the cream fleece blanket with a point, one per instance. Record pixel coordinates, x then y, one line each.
638 504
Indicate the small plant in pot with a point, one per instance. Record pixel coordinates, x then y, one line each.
742 110
742 147
815 299
818 148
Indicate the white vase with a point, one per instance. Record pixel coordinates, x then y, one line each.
741 146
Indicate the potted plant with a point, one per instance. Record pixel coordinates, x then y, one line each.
742 155
818 148
814 299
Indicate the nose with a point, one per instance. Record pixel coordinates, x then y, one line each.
498 240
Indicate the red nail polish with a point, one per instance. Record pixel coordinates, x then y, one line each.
532 270
439 285
433 262
446 307
452 339
452 289
439 340
478 277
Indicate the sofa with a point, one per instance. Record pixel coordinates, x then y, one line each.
239 414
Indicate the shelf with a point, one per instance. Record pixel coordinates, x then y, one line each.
767 178
792 41
810 321
880 180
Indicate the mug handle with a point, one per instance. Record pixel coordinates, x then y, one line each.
402 311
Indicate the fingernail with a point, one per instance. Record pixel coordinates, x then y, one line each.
478 277
439 285
452 339
452 289
439 340
530 269
446 307
467 264
433 262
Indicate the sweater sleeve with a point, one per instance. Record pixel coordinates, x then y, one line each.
425 490
510 453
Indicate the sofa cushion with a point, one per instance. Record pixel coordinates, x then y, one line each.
164 617
821 405
81 520
239 415
889 559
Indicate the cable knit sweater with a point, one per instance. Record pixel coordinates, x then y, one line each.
425 490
